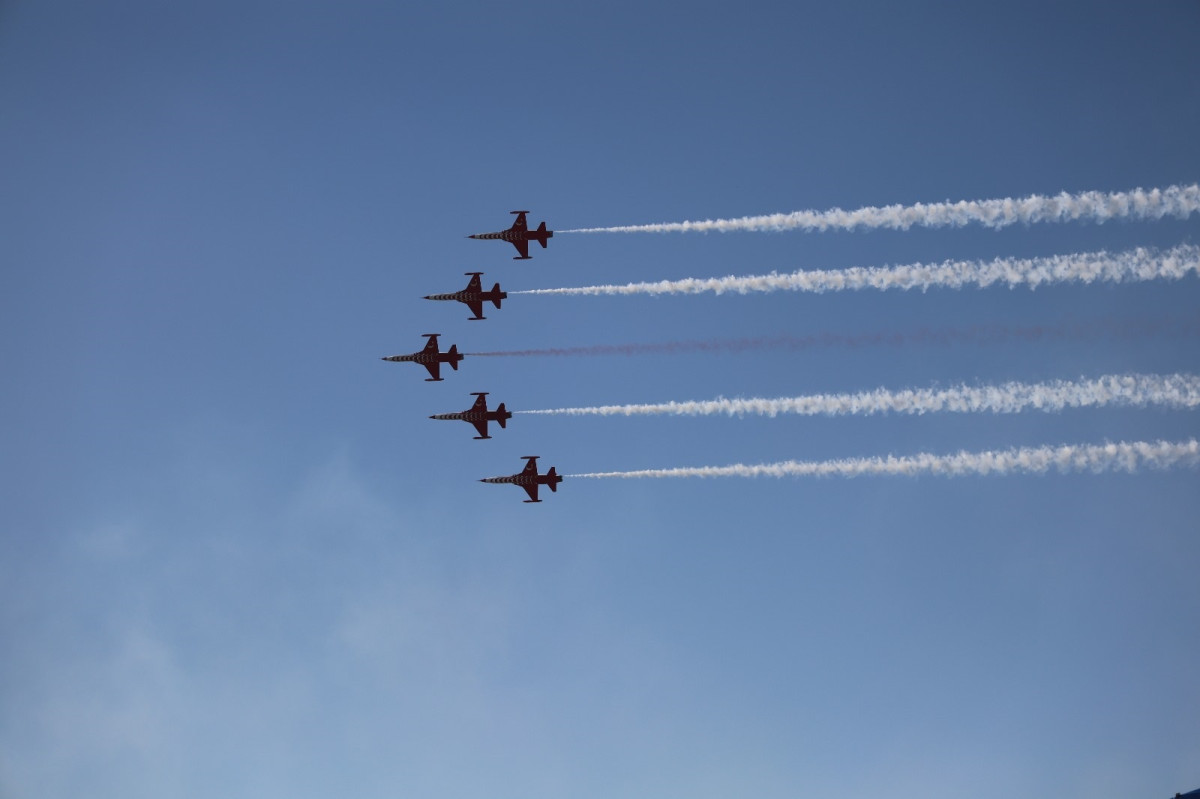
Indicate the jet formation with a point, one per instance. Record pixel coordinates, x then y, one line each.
430 358
519 235
479 415
473 296
529 479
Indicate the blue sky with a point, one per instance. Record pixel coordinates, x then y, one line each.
237 559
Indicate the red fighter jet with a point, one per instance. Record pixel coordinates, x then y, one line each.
479 415
529 479
430 358
519 235
473 296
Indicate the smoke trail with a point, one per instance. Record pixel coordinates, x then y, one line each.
1121 328
1094 206
1136 265
1173 391
1121 457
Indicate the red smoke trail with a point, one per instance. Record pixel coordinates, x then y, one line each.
1109 327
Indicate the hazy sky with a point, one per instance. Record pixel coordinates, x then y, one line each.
237 560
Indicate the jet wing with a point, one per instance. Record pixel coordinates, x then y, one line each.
481 426
520 226
434 369
476 307
473 285
532 491
522 246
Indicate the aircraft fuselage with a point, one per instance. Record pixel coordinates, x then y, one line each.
477 418
519 235
515 479
421 357
516 235
479 415
529 479
430 358
473 296
470 296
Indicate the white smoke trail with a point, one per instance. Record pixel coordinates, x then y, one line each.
1094 206
1120 457
1173 391
1140 264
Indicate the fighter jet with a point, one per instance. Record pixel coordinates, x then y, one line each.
430 358
529 479
519 235
479 415
473 296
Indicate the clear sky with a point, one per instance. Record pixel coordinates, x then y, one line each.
237 560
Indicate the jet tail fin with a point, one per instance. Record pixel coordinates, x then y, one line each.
502 415
542 235
554 479
454 357
496 292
